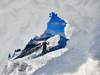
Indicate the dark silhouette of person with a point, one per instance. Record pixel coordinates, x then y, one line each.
44 47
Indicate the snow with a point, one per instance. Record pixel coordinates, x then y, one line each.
29 66
22 20
54 40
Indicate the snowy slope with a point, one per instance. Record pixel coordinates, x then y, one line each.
34 61
30 65
35 47
19 21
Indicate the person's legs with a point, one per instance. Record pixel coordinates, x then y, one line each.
44 51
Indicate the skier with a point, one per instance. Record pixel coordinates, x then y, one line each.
44 47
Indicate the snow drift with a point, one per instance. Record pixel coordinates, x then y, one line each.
20 19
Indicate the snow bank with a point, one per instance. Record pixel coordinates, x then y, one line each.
29 66
20 19
14 68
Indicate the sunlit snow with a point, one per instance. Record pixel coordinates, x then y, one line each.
21 20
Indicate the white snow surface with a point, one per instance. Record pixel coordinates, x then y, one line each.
21 20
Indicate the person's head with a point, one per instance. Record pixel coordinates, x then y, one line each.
44 40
